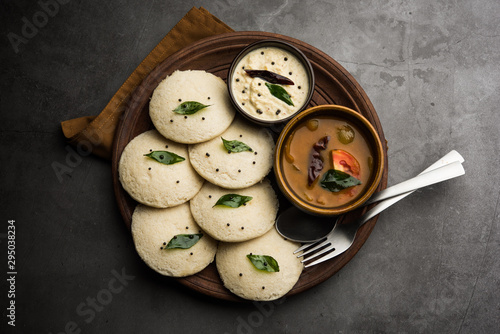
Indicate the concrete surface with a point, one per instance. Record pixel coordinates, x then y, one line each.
431 69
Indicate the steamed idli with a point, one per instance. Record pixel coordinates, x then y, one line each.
243 279
153 228
187 89
247 221
235 170
151 182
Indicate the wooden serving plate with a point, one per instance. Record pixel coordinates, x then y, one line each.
334 85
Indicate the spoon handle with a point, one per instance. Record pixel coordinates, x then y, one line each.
452 157
400 190
439 174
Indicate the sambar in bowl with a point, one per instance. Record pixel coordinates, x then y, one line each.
328 160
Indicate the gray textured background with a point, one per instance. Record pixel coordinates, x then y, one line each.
431 69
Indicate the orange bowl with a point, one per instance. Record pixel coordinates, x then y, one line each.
371 138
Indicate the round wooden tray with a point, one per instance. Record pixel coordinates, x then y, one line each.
334 85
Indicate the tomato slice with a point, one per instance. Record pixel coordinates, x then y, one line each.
345 162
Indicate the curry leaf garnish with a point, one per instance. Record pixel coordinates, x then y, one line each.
336 180
233 200
264 263
189 107
280 93
235 146
165 157
183 241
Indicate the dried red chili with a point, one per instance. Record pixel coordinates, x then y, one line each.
270 77
316 165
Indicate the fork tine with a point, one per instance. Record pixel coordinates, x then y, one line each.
325 258
323 244
310 244
320 252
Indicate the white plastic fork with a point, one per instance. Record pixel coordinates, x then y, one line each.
342 236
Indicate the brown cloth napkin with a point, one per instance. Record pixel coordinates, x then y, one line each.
97 132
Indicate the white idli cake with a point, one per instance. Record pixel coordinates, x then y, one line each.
164 179
191 107
235 215
242 277
157 231
239 158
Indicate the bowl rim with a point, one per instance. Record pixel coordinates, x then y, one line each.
288 47
299 202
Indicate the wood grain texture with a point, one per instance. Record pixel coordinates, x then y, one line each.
334 85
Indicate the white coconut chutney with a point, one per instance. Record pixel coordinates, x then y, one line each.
252 94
